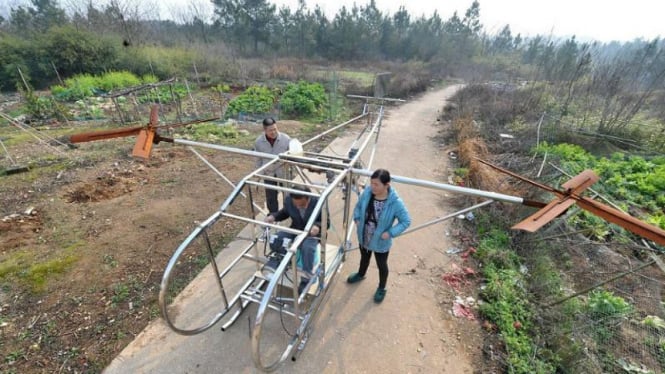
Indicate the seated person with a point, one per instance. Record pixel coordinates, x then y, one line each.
299 208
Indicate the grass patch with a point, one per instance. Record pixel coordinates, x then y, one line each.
358 77
33 273
507 301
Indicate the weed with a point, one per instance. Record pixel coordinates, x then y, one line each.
211 132
13 356
74 352
154 312
120 293
506 301
201 261
36 275
109 260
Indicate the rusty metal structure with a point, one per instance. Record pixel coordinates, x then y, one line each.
572 194
146 135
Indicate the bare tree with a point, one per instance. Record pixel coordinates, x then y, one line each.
127 17
196 16
625 84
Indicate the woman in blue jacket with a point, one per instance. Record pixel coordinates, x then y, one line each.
375 214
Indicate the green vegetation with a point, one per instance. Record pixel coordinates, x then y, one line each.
506 300
164 94
304 99
632 180
256 99
606 308
33 272
606 305
211 132
82 86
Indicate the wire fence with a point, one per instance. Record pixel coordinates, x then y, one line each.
614 323
601 309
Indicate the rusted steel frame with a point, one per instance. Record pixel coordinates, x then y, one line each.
118 133
104 134
622 219
570 196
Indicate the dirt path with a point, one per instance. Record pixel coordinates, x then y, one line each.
411 331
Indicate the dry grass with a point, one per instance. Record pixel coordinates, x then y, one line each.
472 148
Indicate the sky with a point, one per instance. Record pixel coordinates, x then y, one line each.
603 20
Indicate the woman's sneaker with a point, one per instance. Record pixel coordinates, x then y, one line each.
354 278
379 295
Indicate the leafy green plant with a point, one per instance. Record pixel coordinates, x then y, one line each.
224 88
256 99
211 132
77 87
164 94
303 99
120 293
654 322
632 180
657 219
149 78
606 304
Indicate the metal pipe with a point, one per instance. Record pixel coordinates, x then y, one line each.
448 187
282 189
216 171
225 148
426 224
248 220
334 128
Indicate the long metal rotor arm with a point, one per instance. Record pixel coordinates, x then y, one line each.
146 135
572 195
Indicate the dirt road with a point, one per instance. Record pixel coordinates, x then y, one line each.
410 332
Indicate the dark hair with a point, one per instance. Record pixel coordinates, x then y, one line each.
298 196
381 174
269 121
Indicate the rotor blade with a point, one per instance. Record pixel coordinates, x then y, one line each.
580 182
514 175
543 216
104 134
622 219
193 122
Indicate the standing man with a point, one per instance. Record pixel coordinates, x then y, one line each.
274 142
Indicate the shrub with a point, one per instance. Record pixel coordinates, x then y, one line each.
117 79
256 99
603 304
76 88
303 99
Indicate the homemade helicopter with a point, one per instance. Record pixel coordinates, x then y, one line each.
336 180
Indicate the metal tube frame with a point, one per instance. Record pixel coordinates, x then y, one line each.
345 173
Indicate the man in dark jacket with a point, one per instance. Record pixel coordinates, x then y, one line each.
298 207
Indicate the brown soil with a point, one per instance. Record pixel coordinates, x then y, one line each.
102 233
108 227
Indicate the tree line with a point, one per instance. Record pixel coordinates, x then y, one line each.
608 82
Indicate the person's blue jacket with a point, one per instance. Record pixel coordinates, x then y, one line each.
394 209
